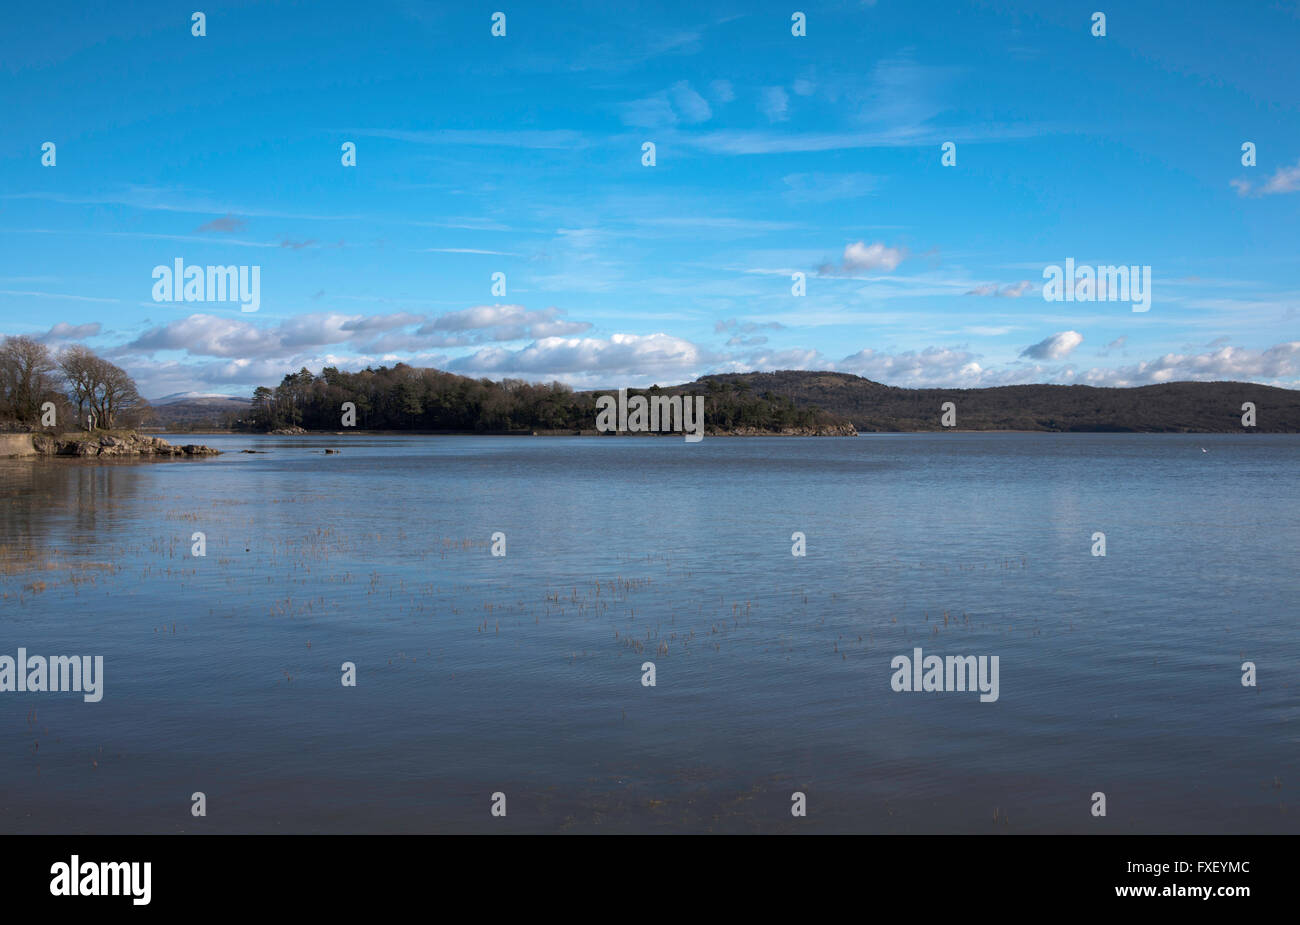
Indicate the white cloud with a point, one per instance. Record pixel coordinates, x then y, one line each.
860 256
63 332
367 324
224 336
1279 362
933 366
1056 347
625 355
211 335
506 322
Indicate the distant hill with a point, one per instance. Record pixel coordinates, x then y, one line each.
1175 407
404 398
183 411
181 397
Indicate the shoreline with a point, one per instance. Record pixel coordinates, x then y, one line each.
351 432
109 444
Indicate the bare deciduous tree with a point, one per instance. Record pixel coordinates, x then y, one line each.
26 377
98 388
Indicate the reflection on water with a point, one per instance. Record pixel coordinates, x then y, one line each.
522 674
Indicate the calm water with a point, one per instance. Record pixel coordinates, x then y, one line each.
522 674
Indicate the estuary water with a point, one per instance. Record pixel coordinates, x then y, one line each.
522 674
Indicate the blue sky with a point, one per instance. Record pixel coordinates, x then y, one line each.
775 155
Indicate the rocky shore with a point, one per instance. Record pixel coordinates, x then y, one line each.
87 445
821 430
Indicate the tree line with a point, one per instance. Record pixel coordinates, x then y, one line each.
403 397
40 388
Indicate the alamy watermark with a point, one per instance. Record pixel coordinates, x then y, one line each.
179 283
76 877
38 674
1098 284
643 414
938 674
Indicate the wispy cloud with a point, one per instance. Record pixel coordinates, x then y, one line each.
1012 291
227 223
467 250
690 106
829 187
722 91
741 141
1283 180
541 139
774 103
30 294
